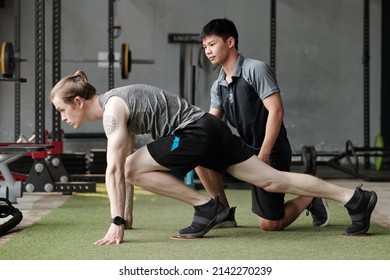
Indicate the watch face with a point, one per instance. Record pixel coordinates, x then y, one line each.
118 220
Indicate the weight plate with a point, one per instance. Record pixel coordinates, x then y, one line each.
379 143
309 160
7 59
125 61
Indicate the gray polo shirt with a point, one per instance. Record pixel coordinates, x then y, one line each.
242 103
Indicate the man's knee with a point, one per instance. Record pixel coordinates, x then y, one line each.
131 174
269 225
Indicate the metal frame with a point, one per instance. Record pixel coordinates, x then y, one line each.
385 72
40 71
366 78
273 36
17 67
183 39
56 67
366 149
111 55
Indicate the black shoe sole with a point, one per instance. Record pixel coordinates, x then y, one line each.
326 222
370 207
217 219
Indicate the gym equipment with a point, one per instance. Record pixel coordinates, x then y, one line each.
347 161
366 79
352 155
379 143
125 58
75 163
44 175
12 79
309 159
47 173
183 39
385 72
6 209
7 60
273 36
4 64
10 188
97 161
7 64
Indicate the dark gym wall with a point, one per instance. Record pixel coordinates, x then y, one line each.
319 58
385 97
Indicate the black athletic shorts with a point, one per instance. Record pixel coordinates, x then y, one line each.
269 205
207 142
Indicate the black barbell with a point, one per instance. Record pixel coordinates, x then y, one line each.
7 60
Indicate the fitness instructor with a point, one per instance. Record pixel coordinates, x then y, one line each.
247 93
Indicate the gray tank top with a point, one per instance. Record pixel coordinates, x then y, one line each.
154 111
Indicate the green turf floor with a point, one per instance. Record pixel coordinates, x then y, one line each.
69 233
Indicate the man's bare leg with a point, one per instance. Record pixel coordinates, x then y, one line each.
213 183
292 210
143 171
359 203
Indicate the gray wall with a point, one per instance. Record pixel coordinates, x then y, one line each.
319 58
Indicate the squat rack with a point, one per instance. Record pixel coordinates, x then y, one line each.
308 153
366 64
48 173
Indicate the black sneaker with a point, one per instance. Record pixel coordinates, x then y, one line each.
230 220
319 211
360 208
205 218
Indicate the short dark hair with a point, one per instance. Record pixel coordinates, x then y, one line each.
221 27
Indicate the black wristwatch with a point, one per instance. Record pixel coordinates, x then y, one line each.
118 221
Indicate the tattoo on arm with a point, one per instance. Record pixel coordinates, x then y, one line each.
109 124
